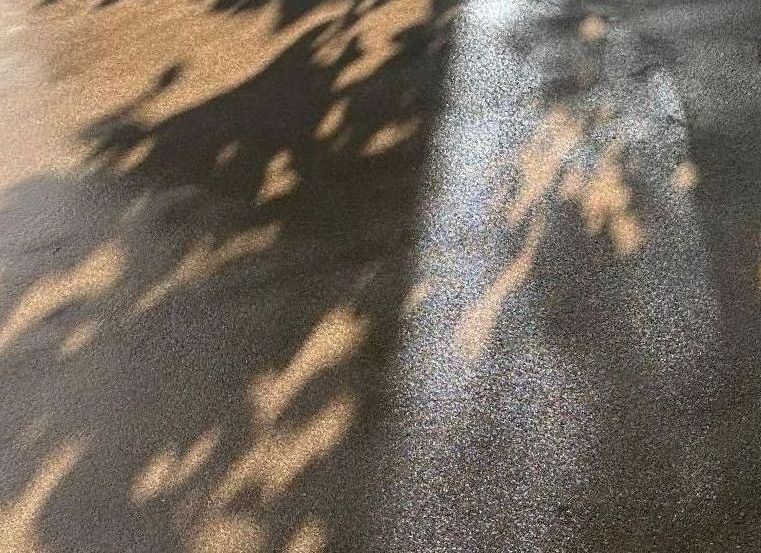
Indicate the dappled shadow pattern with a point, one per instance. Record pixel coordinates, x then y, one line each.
288 12
195 331
582 363
647 277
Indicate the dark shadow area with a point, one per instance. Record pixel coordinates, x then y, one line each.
197 345
289 12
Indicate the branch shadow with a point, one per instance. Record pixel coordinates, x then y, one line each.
195 329
663 333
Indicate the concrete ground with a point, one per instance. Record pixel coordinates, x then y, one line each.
380 275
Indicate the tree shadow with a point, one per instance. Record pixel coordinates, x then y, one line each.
581 376
664 334
196 333
195 330
288 12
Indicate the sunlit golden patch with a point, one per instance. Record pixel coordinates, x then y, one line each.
364 6
605 204
333 120
204 260
592 28
541 158
626 234
168 470
606 194
131 159
377 32
217 51
272 464
685 176
572 184
330 50
228 532
92 277
603 201
309 537
279 178
474 328
333 340
79 337
19 516
390 136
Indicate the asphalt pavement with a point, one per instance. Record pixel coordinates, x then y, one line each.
581 375
412 275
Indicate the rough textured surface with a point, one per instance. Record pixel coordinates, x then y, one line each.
583 376
412 275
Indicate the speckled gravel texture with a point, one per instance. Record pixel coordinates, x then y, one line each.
380 275
610 400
